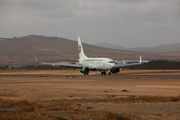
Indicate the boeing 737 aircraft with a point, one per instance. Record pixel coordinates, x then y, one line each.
94 64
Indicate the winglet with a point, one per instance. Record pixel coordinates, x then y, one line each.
35 58
140 61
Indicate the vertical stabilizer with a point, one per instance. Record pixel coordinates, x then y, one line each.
81 51
140 61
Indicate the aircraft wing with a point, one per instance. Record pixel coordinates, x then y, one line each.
69 59
125 65
59 64
62 64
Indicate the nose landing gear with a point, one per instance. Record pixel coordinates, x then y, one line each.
109 72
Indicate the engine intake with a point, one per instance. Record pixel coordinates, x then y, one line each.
115 70
84 70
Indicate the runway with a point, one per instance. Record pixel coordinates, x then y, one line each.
98 76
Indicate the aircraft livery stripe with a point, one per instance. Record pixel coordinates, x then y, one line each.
92 60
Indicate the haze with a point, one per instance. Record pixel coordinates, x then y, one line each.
128 23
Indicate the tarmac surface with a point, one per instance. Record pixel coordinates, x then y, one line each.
98 76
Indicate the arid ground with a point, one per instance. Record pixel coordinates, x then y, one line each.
89 97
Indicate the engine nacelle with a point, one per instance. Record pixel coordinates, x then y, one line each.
115 70
84 70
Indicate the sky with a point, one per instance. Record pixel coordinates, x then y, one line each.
128 23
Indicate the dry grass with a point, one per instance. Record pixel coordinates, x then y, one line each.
124 90
150 99
115 116
53 106
12 110
144 98
17 110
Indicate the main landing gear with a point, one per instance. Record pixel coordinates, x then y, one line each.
104 73
86 73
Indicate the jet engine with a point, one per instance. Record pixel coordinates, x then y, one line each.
84 70
115 70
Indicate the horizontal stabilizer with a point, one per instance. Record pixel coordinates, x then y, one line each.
35 58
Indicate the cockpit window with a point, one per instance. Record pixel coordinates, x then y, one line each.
111 62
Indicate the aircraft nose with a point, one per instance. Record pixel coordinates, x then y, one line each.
112 64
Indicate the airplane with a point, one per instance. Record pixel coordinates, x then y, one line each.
86 64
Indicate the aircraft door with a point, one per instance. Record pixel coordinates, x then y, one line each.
103 63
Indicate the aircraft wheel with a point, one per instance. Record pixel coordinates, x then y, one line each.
103 73
87 73
109 73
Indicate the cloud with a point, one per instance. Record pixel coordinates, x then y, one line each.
125 22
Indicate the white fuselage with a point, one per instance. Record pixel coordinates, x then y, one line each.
103 64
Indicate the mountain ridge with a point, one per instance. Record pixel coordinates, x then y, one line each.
157 49
21 50
109 45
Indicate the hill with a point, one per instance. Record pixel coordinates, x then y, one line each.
158 48
20 51
112 46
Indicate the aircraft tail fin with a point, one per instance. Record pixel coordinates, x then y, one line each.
140 61
81 51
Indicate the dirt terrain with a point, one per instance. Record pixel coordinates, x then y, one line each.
90 97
